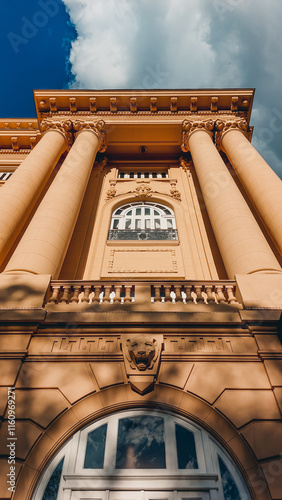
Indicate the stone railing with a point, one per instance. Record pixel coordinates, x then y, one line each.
100 292
142 234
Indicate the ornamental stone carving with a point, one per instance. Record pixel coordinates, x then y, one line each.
225 126
111 193
174 192
143 191
63 126
141 358
96 127
188 127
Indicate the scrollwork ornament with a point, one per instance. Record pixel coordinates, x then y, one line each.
143 190
189 126
64 126
96 127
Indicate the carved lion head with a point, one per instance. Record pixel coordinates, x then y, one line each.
141 351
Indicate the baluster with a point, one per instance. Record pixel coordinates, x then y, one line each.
66 294
127 297
198 290
210 297
188 290
76 293
117 293
87 290
157 293
167 293
107 293
231 297
96 298
55 294
220 295
177 290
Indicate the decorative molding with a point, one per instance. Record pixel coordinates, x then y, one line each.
173 191
96 127
172 269
225 126
63 126
188 127
111 193
185 165
143 191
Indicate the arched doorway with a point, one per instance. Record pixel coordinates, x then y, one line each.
142 455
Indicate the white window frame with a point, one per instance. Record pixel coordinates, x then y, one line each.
125 216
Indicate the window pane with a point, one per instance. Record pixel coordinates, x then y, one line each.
138 224
157 224
51 490
156 212
147 223
138 211
146 175
186 450
230 489
169 224
121 175
95 449
141 443
139 175
147 211
154 175
128 224
115 224
164 175
131 175
129 212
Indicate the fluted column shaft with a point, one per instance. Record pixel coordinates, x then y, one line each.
19 194
262 185
44 244
242 245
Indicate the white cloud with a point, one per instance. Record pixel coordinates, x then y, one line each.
183 44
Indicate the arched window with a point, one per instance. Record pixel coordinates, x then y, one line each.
142 455
143 221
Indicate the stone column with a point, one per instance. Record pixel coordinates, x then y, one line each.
262 185
241 243
45 242
19 194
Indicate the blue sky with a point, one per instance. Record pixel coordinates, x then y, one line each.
103 44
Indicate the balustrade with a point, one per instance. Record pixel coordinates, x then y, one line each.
197 292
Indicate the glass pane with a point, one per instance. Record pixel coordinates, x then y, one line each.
128 224
51 490
157 224
121 175
141 443
147 211
154 175
139 175
230 489
147 223
95 448
156 212
131 175
146 175
138 224
129 212
164 174
115 224
138 211
169 224
118 212
186 450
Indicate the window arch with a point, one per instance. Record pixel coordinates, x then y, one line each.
142 455
143 221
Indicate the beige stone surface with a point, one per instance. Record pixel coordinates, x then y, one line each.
19 291
268 342
242 406
114 396
265 438
209 380
8 371
26 433
258 483
220 426
239 238
243 452
87 406
19 195
260 290
274 371
40 405
108 374
278 395
75 380
273 474
175 374
59 430
12 342
263 186
195 406
45 242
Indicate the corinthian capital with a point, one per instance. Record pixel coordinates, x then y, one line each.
62 126
222 127
189 126
96 127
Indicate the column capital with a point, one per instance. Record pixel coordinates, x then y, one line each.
96 128
62 126
189 127
224 126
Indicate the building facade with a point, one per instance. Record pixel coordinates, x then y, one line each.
140 300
